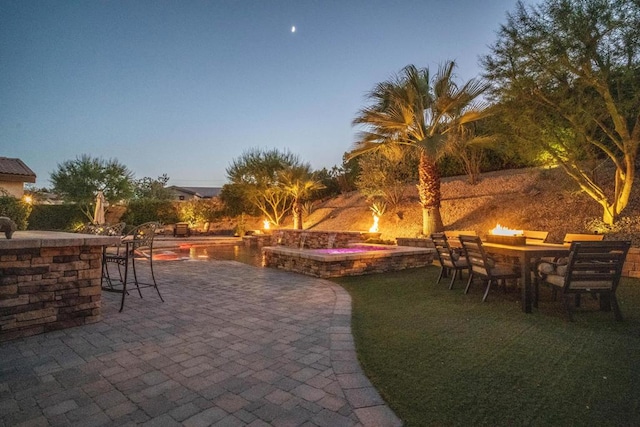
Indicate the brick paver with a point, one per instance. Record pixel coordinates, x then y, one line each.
232 345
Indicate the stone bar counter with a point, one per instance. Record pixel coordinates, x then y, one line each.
49 280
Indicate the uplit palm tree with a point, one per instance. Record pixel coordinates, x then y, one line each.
413 111
299 184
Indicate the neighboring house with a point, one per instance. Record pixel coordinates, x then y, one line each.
191 193
13 174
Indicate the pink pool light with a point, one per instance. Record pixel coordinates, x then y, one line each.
352 250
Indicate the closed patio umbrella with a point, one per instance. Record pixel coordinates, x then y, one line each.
98 213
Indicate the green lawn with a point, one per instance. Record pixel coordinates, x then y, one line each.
440 357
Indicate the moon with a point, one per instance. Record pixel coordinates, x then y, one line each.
293 29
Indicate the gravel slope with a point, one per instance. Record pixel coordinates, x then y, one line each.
534 199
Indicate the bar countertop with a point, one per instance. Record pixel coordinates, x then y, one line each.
53 239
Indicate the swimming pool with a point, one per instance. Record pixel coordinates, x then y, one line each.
218 252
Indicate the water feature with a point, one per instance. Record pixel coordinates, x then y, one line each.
356 249
303 237
331 240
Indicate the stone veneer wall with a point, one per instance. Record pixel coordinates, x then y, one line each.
49 282
257 240
346 265
316 239
632 264
415 242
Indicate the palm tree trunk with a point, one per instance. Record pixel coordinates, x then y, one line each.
429 192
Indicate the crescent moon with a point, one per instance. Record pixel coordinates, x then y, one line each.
293 29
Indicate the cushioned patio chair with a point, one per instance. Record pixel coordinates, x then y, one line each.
570 238
593 268
481 265
453 236
451 260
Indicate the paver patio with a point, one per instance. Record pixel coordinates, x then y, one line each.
232 345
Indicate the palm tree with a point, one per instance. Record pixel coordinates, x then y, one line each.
414 112
299 184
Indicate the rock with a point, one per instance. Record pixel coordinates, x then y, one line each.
8 226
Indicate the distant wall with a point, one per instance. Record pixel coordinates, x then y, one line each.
15 189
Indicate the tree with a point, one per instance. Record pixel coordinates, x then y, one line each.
468 149
386 173
78 181
149 188
566 78
256 176
411 111
299 183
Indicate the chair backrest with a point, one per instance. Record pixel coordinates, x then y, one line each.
476 255
103 230
453 235
182 229
142 236
443 250
88 228
534 237
111 230
569 238
595 265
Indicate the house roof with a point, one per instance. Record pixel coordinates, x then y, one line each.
15 170
203 192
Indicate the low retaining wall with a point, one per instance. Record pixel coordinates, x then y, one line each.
311 239
632 264
312 263
415 242
257 240
49 281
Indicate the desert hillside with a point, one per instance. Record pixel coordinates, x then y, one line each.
533 199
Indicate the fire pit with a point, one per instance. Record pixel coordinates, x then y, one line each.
506 236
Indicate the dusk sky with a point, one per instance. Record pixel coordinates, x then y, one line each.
184 87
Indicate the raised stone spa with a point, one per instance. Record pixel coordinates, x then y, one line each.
48 281
335 254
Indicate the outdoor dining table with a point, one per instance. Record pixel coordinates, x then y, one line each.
525 255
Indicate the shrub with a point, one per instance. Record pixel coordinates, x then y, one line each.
146 210
15 209
56 217
200 211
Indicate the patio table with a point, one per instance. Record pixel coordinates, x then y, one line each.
525 255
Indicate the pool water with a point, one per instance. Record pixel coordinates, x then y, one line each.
352 250
240 253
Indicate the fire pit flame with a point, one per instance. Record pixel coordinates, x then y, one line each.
374 227
504 231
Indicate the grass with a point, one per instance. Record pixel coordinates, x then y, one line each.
439 357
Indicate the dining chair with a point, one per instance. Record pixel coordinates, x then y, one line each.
137 244
592 268
483 266
450 259
453 237
572 237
